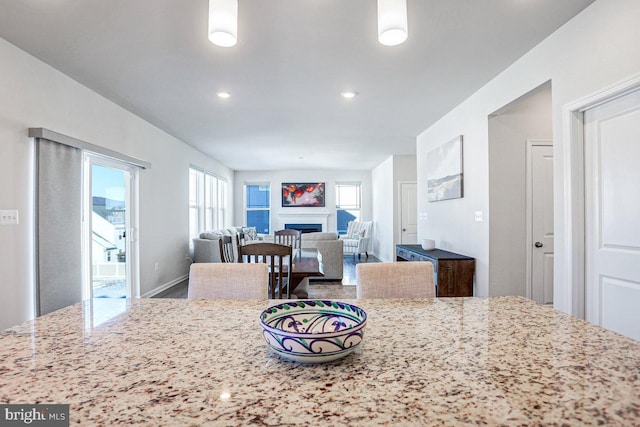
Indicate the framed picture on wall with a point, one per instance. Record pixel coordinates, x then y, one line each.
444 171
303 194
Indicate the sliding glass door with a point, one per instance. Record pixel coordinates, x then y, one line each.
110 261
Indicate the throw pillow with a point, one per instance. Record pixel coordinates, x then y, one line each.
250 233
357 235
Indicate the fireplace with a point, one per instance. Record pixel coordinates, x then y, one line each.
316 219
304 228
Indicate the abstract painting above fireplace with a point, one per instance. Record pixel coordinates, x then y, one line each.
303 194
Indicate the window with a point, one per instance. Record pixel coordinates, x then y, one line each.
196 178
207 202
222 203
257 207
348 203
210 202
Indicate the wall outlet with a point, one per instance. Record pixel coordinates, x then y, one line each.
479 216
156 266
9 217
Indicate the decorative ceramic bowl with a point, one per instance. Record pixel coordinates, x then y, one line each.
313 331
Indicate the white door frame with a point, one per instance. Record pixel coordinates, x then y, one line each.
529 210
573 269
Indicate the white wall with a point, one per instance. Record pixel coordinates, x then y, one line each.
276 178
32 94
383 210
386 178
597 48
529 118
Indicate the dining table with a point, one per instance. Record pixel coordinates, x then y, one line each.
306 262
446 361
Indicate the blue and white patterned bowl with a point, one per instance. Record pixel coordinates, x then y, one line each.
313 331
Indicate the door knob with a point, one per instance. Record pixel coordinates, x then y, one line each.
538 245
404 229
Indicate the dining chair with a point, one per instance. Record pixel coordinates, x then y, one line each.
228 281
287 237
279 260
226 249
240 239
395 280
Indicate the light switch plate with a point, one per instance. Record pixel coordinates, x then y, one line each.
479 216
9 217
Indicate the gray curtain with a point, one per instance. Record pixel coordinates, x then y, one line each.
58 226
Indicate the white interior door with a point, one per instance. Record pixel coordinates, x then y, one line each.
540 238
612 213
409 213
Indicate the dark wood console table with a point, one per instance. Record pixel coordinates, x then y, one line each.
454 272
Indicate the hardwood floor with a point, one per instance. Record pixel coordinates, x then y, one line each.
317 288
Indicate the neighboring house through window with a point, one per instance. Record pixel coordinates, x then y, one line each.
348 204
257 206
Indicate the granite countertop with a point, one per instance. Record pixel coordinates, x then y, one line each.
450 361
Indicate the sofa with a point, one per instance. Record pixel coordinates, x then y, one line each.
206 247
331 250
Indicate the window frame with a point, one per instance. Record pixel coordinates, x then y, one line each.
196 204
223 198
211 202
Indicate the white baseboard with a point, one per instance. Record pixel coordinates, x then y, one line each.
379 257
164 287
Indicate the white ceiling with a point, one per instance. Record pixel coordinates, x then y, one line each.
292 60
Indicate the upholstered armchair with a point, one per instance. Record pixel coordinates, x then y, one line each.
357 239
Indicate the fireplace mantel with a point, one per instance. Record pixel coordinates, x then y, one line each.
303 218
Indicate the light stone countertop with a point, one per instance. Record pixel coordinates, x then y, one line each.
449 361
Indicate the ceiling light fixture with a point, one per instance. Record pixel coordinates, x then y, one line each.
223 22
349 94
224 95
392 22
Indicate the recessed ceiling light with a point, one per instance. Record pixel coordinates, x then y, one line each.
224 95
349 94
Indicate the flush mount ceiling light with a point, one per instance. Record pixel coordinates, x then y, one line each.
224 95
223 22
349 94
392 22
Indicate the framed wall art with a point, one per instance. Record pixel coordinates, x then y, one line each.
444 171
303 194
